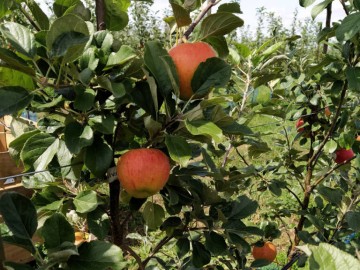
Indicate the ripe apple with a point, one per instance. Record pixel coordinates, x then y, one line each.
343 155
267 251
143 172
300 122
187 57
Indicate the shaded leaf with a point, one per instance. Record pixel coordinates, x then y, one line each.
179 150
57 230
97 255
19 214
13 99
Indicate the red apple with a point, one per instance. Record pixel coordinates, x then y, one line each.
300 122
143 172
187 57
327 112
343 155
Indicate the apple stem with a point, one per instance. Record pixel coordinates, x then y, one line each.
192 26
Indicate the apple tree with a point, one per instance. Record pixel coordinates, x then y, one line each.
99 97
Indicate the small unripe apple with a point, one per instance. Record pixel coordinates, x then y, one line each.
143 172
187 57
343 155
299 123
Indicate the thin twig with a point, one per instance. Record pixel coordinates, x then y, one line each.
312 161
294 194
198 19
156 249
320 179
134 254
328 25
344 7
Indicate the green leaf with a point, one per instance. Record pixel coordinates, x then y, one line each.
219 24
179 150
15 62
13 99
230 7
20 37
84 99
219 44
213 73
18 143
349 27
317 9
215 243
98 157
346 139
77 137
99 223
57 230
60 6
204 127
103 123
116 17
67 37
243 50
200 255
182 16
97 255
353 77
38 14
19 214
35 153
306 3
333 195
86 201
5 7
330 146
182 247
241 208
17 266
329 257
123 55
153 58
353 220
153 215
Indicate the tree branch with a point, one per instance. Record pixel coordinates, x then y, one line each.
134 254
327 25
163 241
198 19
320 179
344 7
100 14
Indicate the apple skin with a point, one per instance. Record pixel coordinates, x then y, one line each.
187 57
143 172
358 138
327 112
343 155
300 122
